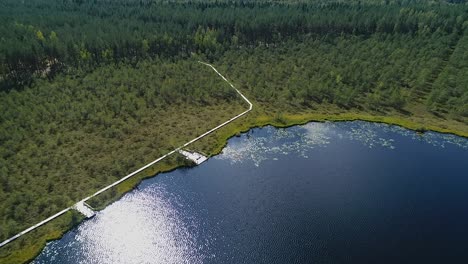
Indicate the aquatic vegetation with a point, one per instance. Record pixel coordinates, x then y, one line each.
273 143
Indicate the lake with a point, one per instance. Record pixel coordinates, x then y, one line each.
346 192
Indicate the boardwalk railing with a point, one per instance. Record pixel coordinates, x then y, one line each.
142 168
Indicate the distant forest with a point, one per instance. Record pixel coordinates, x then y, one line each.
92 80
42 38
56 34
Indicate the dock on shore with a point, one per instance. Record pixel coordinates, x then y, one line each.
84 209
194 156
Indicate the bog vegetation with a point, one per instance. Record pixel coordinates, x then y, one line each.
90 90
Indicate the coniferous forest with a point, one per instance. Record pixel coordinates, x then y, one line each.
91 90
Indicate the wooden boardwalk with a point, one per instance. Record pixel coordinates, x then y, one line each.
34 227
84 207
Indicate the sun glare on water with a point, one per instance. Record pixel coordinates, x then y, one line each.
140 228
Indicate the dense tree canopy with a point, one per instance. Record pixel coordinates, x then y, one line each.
89 33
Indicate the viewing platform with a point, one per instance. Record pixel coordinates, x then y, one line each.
193 156
84 209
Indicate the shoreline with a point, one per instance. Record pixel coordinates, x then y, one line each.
28 254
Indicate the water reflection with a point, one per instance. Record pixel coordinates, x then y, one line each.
143 227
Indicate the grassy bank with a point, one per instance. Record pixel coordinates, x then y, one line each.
259 117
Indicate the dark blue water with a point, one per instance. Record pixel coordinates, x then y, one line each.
350 192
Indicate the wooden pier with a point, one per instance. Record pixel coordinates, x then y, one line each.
84 209
193 156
